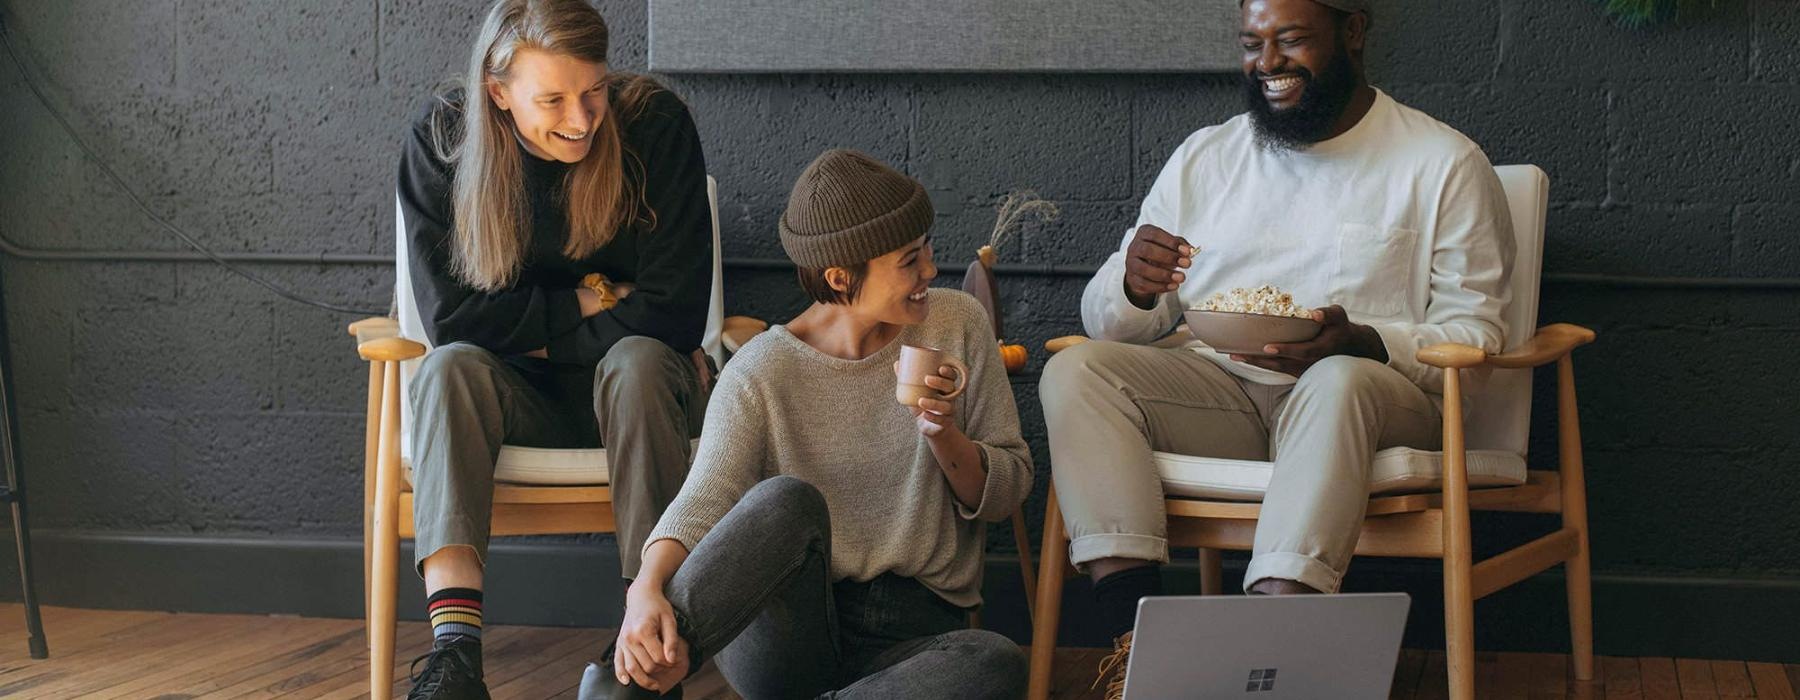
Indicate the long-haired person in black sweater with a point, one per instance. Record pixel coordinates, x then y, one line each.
543 168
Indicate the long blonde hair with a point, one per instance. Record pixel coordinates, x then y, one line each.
492 216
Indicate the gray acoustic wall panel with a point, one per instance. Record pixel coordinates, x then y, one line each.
811 36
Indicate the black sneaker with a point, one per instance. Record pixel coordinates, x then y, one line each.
452 672
598 682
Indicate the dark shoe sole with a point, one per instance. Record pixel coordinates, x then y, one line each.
598 683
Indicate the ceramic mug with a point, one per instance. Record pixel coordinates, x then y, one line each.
917 363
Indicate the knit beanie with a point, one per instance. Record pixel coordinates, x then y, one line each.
848 208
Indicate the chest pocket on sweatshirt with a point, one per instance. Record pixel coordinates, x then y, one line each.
1374 272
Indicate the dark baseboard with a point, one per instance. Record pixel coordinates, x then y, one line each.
1634 615
533 582
567 583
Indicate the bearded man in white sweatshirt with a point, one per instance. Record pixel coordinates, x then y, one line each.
1393 224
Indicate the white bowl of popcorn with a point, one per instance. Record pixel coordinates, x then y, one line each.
1243 320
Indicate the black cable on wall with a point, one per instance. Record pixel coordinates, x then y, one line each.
15 250
130 194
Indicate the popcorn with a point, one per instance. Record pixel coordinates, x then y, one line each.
1267 300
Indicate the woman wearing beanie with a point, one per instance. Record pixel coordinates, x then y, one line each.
829 539
542 169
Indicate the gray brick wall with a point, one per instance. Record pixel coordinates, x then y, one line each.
174 397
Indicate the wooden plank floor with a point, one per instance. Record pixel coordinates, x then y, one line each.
105 654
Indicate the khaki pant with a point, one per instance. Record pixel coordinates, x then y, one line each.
1109 405
643 402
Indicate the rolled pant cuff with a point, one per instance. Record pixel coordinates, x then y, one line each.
1125 546
426 544
1293 567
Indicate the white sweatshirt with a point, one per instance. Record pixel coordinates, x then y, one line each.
1401 220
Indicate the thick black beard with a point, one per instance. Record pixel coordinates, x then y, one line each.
1322 101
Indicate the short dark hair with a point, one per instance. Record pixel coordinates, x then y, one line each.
819 290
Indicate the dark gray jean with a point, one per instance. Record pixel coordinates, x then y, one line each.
756 596
643 402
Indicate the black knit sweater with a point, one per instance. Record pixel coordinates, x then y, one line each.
671 265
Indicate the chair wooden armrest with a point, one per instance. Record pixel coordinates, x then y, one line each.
390 349
1059 344
1549 344
738 330
1176 339
378 340
374 325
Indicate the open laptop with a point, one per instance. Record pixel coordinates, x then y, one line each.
1266 647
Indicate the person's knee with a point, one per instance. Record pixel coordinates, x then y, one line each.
636 368
455 379
1341 375
635 354
789 499
454 363
1072 372
997 659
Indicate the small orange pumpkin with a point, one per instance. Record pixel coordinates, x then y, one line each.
1013 356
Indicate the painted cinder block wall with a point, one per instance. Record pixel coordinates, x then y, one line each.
179 401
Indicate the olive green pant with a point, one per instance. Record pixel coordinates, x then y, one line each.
643 402
1108 406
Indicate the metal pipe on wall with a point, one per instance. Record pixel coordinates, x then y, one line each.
9 248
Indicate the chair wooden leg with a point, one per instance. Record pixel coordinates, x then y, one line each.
1574 511
371 447
1459 631
1459 595
385 562
1052 557
1212 574
1023 542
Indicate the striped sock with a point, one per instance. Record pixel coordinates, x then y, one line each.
455 612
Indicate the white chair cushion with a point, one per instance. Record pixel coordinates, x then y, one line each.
543 466
1397 470
550 467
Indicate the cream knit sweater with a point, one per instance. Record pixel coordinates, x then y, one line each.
783 407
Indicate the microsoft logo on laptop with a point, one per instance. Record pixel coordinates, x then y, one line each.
1261 679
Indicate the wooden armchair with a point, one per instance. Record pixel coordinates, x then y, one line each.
537 491
1409 521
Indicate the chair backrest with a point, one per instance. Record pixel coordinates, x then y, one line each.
1499 417
412 326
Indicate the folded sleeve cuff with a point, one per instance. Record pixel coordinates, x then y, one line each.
1403 355
1132 314
687 533
996 493
1122 308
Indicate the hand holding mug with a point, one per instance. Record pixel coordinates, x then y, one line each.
927 381
937 414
